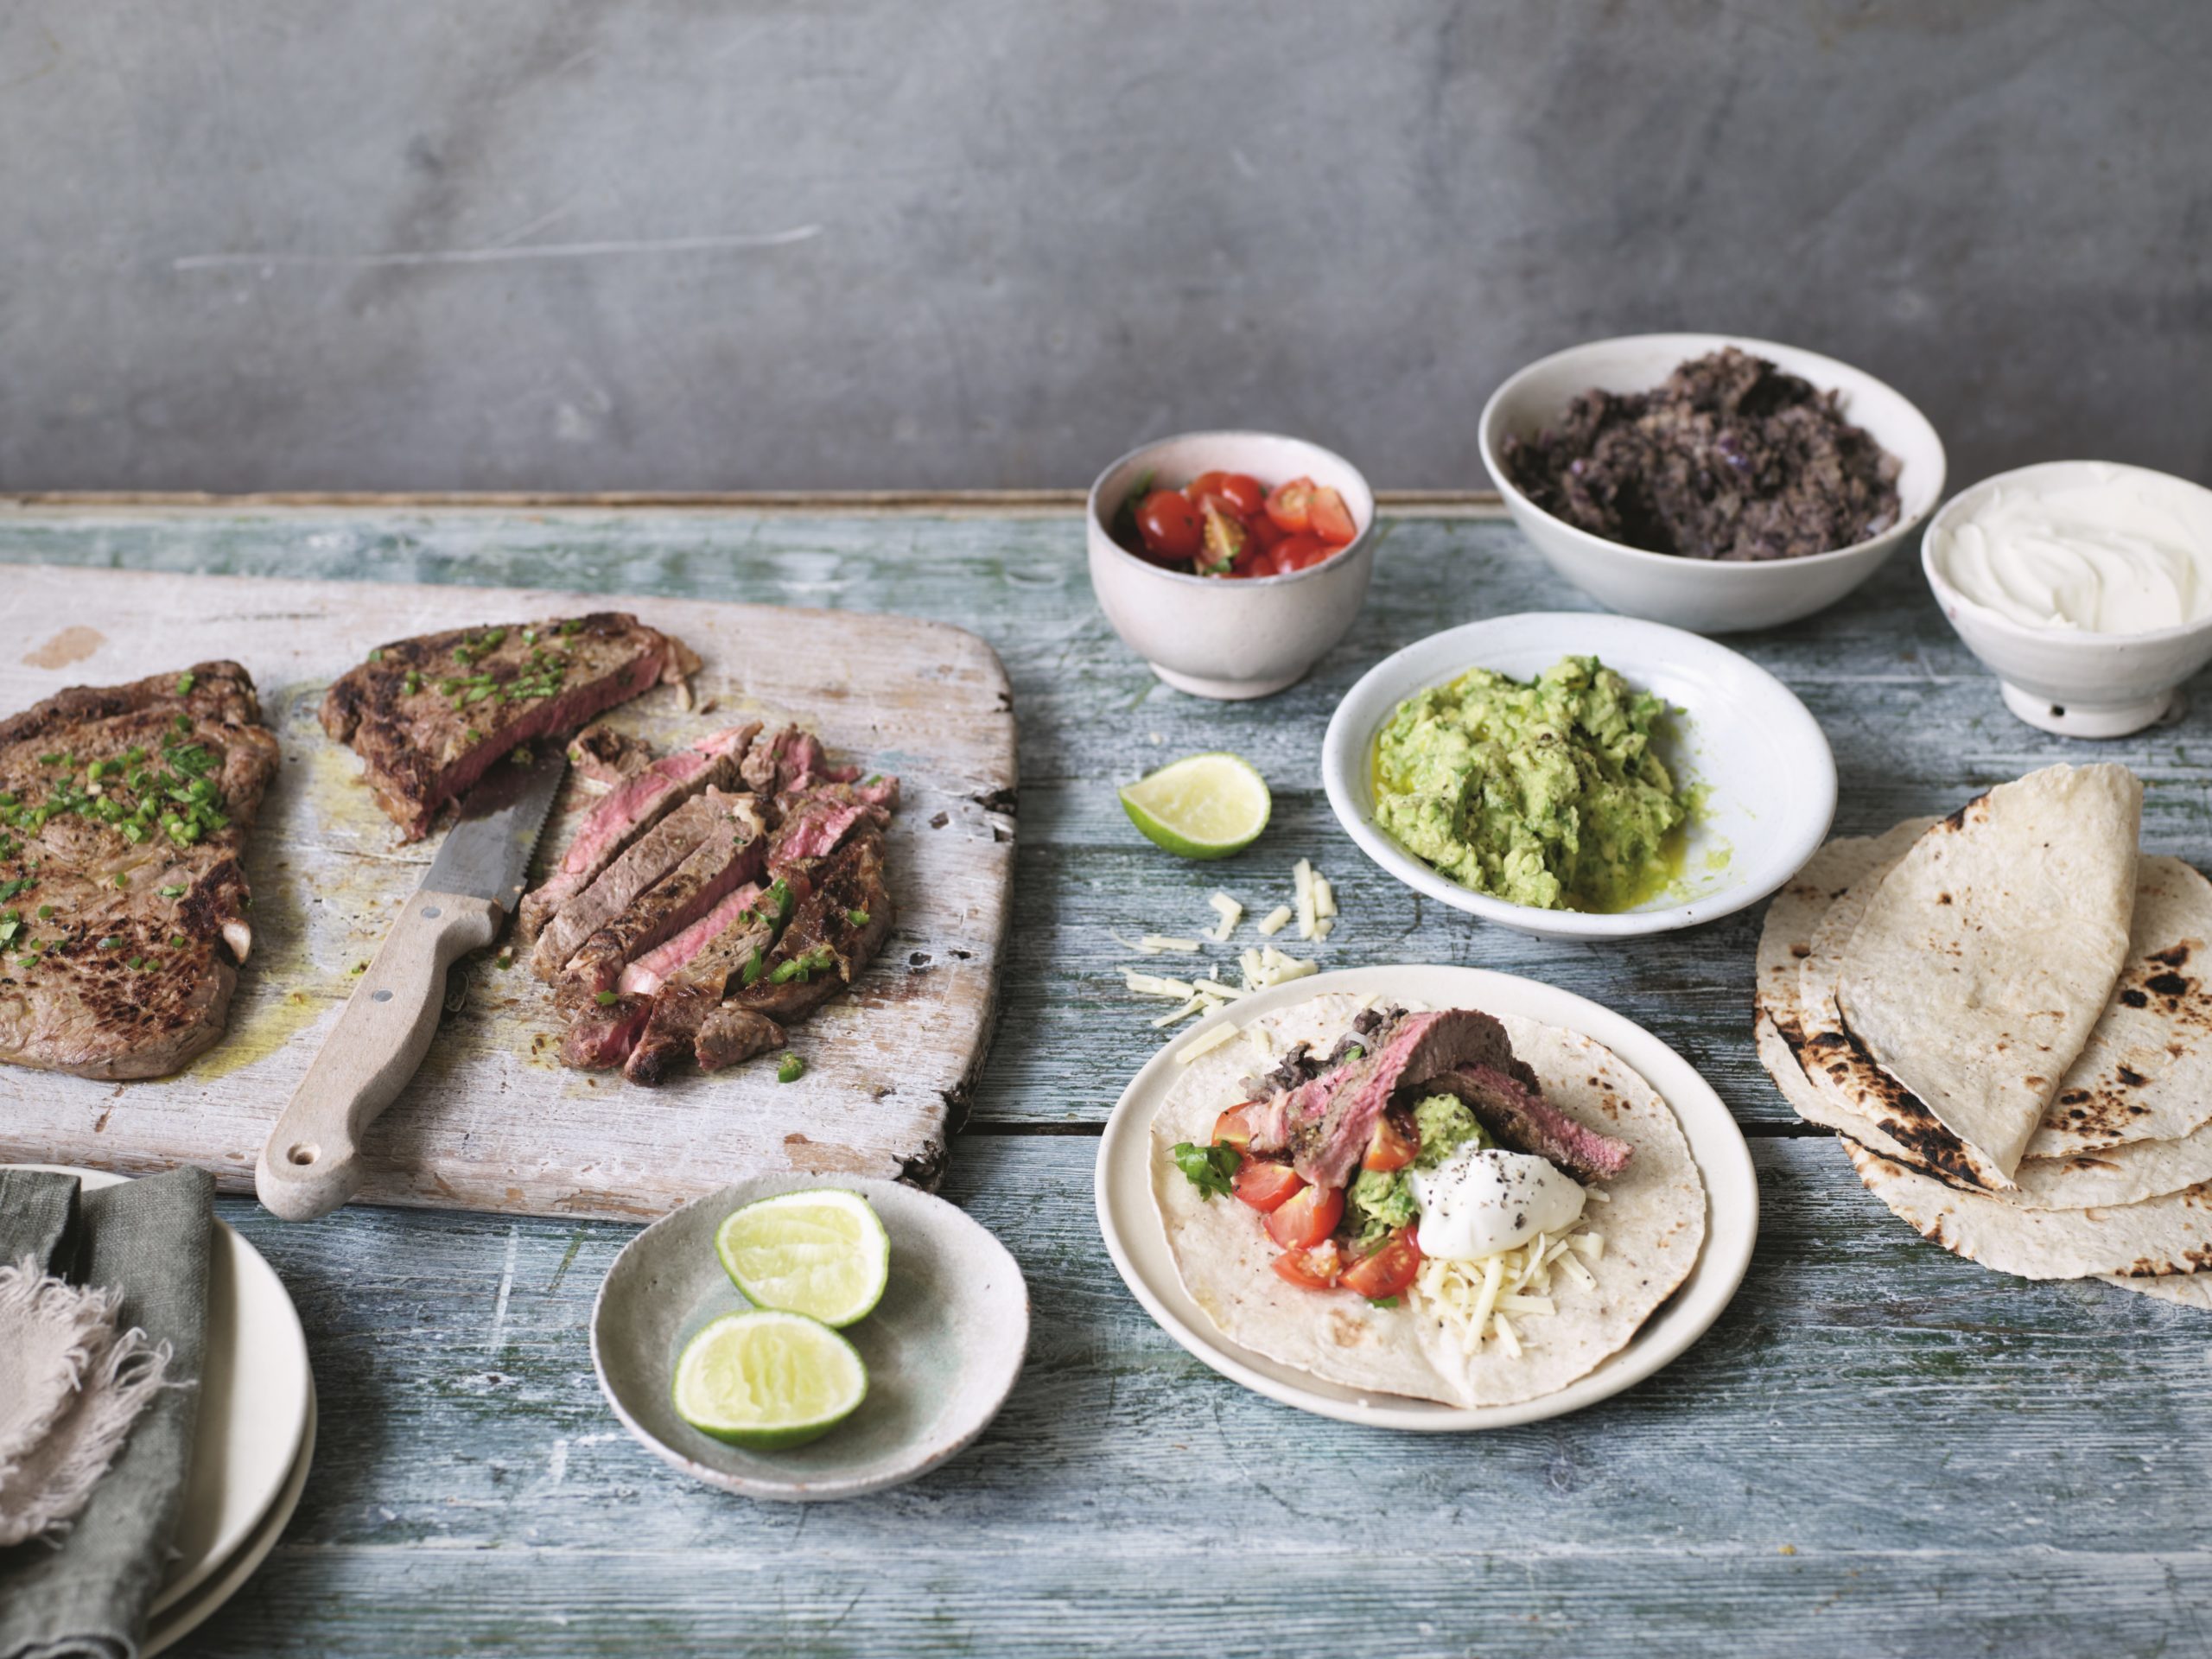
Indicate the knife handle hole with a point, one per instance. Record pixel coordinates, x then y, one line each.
432 910
381 996
306 1152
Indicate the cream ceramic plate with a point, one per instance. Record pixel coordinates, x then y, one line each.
1138 1243
178 1615
943 1348
1740 733
257 1397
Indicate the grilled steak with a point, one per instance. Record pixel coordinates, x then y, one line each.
790 760
430 715
815 821
1522 1120
671 958
123 816
835 932
650 857
628 811
1331 1118
601 755
730 854
731 1035
600 1036
694 991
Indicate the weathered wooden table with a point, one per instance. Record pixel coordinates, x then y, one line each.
1879 1449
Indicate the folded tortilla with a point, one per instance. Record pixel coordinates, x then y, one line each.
1654 1226
1985 957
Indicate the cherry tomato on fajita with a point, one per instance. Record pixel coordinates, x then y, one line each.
1231 525
1388 1271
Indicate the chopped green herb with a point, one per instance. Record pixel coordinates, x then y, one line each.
607 999
177 940
523 756
377 656
789 1069
857 918
122 881
46 912
10 889
473 735
110 943
1382 1301
1124 527
753 968
171 892
184 684
573 624
358 968
411 684
1208 1168
137 965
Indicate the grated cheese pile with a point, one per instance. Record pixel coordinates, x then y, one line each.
1315 913
1473 1299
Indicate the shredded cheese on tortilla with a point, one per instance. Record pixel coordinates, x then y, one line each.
1472 1299
1227 1030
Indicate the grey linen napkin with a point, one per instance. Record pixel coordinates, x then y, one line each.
149 1238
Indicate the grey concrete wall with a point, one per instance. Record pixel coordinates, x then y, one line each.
645 243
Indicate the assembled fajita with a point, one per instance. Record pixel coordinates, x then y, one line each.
1431 1202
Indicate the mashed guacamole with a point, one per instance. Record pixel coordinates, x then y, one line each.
1546 794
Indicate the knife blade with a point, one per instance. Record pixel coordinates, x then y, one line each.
311 1162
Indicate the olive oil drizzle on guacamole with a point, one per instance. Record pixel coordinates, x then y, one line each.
1545 794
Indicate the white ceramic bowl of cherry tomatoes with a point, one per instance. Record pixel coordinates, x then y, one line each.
1231 561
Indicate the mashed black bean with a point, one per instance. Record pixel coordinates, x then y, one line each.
1729 458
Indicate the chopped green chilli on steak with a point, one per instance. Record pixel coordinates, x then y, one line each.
430 716
123 904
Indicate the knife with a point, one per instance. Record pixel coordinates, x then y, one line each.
311 1162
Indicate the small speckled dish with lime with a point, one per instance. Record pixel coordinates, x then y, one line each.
1761 774
941 1348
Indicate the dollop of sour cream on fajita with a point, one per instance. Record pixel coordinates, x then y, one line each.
1482 1200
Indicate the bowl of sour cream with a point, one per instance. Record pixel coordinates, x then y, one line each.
2085 586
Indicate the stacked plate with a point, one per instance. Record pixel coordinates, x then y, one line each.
255 1437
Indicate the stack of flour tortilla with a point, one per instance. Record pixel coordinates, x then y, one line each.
2007 1014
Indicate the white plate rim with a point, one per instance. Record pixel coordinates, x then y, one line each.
169 1625
1717 1144
1344 750
266 1320
943 1213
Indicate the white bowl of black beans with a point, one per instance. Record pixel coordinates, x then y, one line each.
1706 596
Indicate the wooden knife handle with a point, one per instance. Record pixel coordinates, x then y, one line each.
310 1163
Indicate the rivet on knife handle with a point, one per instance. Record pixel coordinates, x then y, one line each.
310 1163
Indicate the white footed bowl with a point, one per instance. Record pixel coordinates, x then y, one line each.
2066 680
1706 596
1216 638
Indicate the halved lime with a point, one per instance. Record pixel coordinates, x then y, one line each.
821 1252
1205 806
764 1379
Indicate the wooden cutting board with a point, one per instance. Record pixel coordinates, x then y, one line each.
493 1121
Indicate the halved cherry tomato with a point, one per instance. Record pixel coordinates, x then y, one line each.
1387 1272
1330 520
1316 1269
1225 538
1265 533
1235 1126
1267 1187
1309 1217
1289 505
1169 525
1292 553
1386 1147
1241 490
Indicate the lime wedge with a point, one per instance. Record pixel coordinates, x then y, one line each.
822 1253
764 1379
1206 806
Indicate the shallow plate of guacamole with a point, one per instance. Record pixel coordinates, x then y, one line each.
1580 775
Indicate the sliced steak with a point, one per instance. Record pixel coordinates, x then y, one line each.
123 817
728 1036
645 976
816 821
600 1035
429 716
730 854
834 933
628 811
791 759
647 858
1522 1120
601 755
1332 1118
